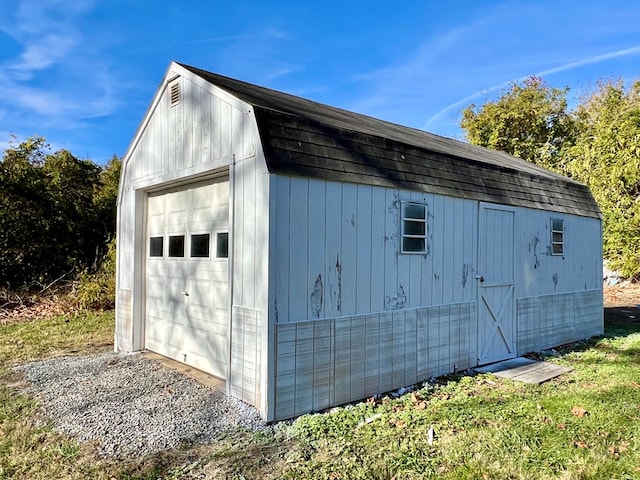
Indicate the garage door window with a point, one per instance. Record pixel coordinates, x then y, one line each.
222 245
156 247
176 246
200 245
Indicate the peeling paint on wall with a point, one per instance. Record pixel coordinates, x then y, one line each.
533 245
315 301
466 269
339 275
396 303
275 308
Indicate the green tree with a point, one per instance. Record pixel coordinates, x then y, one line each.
606 157
530 121
57 212
106 195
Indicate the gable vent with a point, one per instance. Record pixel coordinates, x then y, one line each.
175 94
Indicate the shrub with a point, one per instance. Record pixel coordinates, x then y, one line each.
97 290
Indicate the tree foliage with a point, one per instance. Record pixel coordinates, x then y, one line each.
606 157
57 212
597 143
529 121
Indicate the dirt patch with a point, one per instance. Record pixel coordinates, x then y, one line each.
624 294
44 309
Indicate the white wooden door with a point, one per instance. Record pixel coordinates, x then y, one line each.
496 309
187 275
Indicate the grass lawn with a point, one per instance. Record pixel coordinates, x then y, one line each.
586 424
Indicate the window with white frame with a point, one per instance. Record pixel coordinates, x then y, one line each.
414 227
557 236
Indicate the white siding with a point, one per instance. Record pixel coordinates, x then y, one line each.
540 273
347 237
328 362
250 236
203 131
388 319
209 131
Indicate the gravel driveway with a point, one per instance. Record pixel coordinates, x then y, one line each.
131 405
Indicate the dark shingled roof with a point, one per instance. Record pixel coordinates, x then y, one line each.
305 138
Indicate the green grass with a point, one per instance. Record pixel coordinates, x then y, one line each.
29 448
583 425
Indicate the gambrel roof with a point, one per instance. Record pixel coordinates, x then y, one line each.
305 138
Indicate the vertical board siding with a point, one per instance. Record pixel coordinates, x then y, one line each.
239 184
202 128
349 248
394 294
329 362
280 249
376 279
250 273
364 241
340 246
333 249
539 272
298 248
316 279
438 244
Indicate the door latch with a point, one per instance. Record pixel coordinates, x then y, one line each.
480 277
185 293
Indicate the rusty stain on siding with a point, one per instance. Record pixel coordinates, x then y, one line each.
315 301
396 303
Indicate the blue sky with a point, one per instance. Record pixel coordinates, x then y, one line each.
81 73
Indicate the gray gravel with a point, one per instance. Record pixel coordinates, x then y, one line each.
131 405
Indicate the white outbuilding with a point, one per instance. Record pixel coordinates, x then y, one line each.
311 256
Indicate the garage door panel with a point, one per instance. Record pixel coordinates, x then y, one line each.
156 327
220 294
187 298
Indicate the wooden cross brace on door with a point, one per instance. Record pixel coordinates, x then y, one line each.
497 326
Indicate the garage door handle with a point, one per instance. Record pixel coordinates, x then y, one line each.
185 293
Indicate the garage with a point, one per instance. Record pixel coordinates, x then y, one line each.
187 288
363 256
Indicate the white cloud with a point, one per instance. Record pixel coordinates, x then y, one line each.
396 89
549 71
55 80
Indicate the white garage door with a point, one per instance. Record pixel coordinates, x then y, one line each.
187 275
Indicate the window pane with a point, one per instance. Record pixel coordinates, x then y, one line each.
176 246
413 244
557 248
156 245
200 245
557 237
556 225
414 228
222 245
414 211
